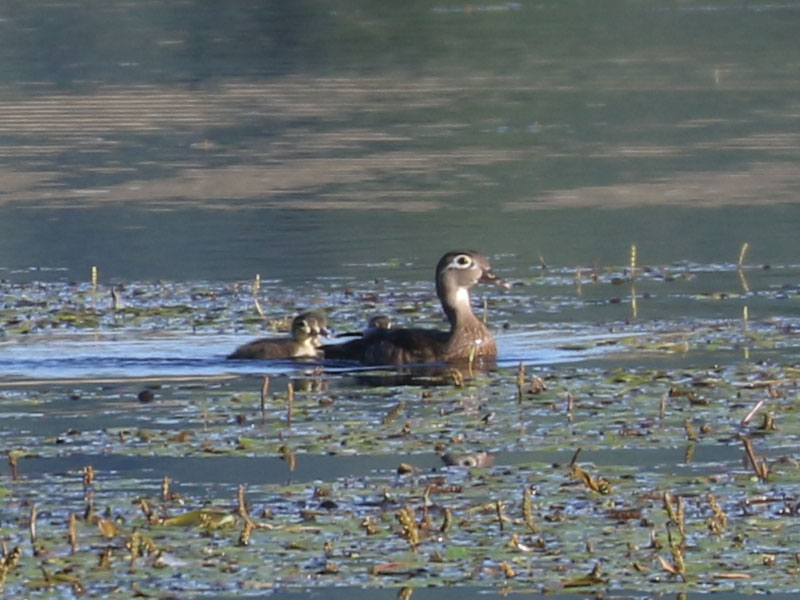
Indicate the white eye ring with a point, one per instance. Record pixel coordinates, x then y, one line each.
462 261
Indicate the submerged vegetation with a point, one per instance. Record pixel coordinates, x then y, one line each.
635 453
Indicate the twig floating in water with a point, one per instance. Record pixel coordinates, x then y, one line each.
752 413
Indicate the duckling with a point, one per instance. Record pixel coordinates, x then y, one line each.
376 322
318 323
303 343
468 338
354 349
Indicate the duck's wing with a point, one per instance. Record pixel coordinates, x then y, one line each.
264 348
392 347
352 350
403 346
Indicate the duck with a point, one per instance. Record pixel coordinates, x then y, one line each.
354 349
468 338
307 328
376 322
318 324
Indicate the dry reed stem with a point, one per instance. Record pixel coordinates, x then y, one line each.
395 412
116 301
742 252
498 507
760 467
289 402
752 413
264 392
88 476
33 515
94 287
166 482
72 532
447 522
241 505
527 510
13 464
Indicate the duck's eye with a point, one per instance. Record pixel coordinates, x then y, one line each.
462 260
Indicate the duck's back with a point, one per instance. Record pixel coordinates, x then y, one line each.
352 350
391 347
268 349
406 346
403 346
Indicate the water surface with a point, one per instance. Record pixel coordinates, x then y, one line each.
337 151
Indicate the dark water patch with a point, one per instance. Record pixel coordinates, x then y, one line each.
706 459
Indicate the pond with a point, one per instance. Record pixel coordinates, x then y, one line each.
630 168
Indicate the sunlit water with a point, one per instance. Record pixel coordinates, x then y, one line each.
203 355
547 319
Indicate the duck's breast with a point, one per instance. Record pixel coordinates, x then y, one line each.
475 341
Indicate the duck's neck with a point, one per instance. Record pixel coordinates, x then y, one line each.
457 307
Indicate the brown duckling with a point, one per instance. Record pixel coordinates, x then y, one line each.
468 337
376 322
318 323
303 343
354 349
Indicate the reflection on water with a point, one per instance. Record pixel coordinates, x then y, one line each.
203 142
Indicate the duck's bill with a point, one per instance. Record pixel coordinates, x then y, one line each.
490 277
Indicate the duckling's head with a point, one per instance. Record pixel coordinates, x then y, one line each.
302 330
317 322
380 322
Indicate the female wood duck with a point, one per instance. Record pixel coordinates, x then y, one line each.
468 338
304 342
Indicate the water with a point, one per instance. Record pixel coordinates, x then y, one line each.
200 142
337 151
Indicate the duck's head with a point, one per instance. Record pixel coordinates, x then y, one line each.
302 330
459 270
317 324
380 322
